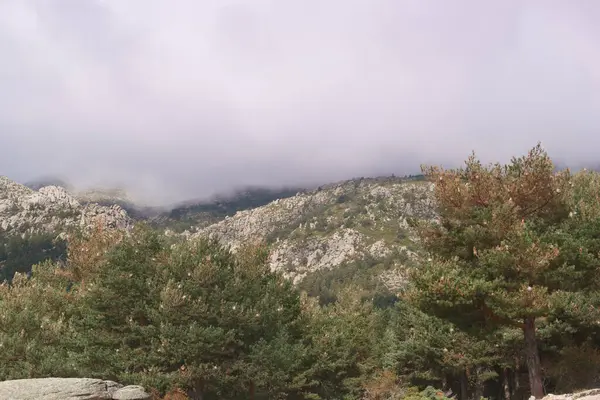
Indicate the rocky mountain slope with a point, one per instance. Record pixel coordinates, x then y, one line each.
193 215
51 209
110 197
356 230
362 221
37 184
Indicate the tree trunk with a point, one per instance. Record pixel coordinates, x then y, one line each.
479 385
533 359
197 391
516 386
464 386
506 383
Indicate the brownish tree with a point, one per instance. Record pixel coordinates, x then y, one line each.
491 249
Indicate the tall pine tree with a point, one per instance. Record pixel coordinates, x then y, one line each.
494 249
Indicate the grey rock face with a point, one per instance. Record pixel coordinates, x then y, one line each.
69 389
133 392
337 224
51 208
58 389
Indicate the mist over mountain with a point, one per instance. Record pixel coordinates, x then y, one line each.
41 182
184 102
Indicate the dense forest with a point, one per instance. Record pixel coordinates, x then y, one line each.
19 252
505 304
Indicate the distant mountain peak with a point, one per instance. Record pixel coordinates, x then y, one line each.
51 209
39 183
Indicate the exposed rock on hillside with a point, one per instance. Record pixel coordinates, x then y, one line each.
333 225
103 196
51 208
37 184
110 197
200 214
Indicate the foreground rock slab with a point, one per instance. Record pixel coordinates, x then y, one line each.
69 389
133 392
592 394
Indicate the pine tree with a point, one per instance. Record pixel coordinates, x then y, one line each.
34 317
496 259
343 336
190 314
425 349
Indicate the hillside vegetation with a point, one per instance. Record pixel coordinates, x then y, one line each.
195 215
481 281
332 225
353 231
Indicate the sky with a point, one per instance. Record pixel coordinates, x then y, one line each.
183 99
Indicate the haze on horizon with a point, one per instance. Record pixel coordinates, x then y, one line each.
176 100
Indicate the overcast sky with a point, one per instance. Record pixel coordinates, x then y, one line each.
184 98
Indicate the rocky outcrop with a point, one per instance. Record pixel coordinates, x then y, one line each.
69 389
132 392
336 224
298 258
260 222
51 209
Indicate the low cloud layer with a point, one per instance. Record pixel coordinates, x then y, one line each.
182 99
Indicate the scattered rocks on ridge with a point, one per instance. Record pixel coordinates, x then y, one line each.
333 225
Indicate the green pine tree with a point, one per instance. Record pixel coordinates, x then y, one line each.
497 247
189 314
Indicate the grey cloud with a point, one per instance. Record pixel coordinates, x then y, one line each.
183 99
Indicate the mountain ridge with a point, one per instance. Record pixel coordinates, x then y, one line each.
51 208
336 224
360 226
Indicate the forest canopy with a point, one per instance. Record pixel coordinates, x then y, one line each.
504 303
